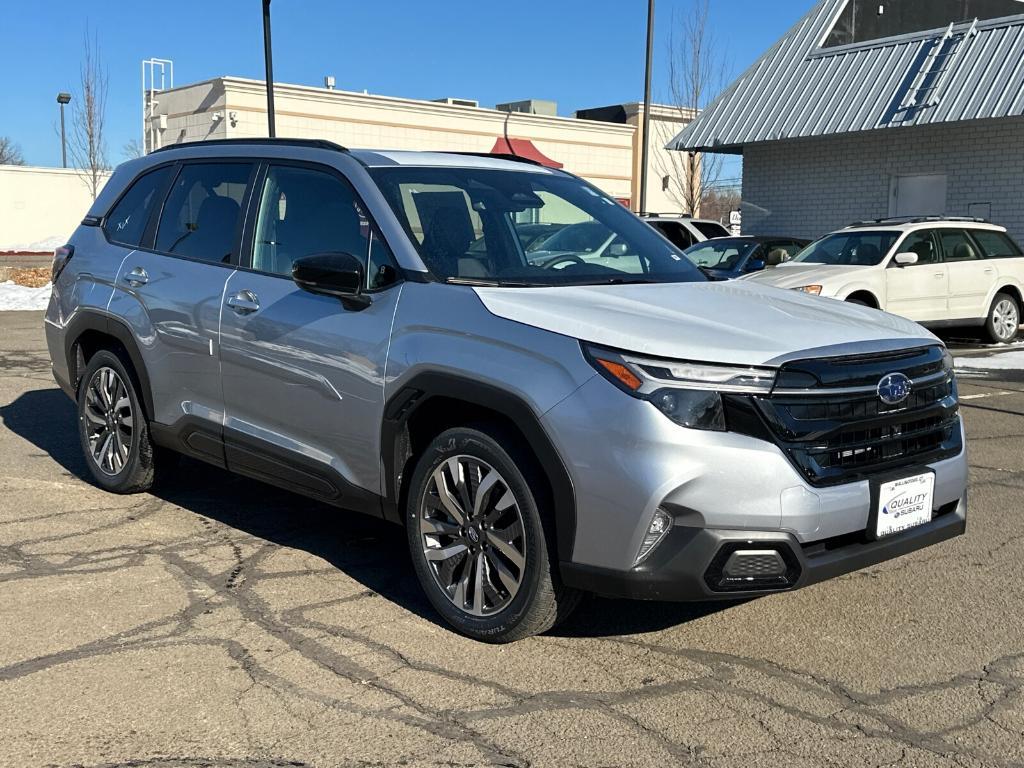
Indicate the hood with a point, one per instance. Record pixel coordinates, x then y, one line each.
797 275
736 322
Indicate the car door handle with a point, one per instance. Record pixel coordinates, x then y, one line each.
137 277
244 302
940 275
989 270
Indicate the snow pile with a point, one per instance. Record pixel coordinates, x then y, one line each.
19 297
1000 361
42 246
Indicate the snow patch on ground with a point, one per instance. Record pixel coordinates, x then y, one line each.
40 246
1000 361
19 297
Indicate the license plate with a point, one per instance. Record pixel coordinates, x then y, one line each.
904 503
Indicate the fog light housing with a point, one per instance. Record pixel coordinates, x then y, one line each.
753 566
658 529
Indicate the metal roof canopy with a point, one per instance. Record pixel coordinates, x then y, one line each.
969 70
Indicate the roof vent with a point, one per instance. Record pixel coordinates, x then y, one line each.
530 107
458 102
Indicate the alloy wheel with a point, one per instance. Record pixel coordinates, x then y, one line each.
109 422
1005 319
473 535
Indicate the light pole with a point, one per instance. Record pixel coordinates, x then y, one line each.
268 58
647 107
62 99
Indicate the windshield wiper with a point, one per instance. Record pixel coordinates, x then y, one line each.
490 283
624 281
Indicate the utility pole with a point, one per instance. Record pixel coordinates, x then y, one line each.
647 107
268 57
62 99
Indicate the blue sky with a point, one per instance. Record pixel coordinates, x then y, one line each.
579 53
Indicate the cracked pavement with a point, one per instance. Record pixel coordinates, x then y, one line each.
220 622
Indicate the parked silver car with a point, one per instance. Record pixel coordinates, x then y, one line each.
315 317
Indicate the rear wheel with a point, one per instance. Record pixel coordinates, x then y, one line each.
1003 320
478 541
112 427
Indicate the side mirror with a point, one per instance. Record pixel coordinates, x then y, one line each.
756 265
905 259
617 249
333 274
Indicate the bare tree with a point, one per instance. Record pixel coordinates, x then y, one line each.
10 153
719 202
86 144
132 149
696 74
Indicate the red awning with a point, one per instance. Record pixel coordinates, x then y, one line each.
522 148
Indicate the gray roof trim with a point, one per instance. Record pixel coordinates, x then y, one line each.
798 89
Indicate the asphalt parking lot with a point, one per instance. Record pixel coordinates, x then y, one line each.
219 622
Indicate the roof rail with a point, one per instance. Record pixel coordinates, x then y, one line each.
917 220
285 142
666 215
501 156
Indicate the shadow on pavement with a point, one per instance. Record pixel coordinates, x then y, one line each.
369 550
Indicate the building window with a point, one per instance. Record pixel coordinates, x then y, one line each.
864 20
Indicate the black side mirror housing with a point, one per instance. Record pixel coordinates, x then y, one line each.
336 274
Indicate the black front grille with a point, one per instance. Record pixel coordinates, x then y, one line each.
827 417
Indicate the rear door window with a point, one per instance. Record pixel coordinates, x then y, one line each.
957 246
201 217
126 223
995 245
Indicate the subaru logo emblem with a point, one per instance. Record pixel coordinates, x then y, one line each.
893 389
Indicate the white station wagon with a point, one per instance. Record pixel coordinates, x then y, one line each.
937 271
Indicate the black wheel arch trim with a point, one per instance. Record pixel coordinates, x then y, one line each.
86 320
423 387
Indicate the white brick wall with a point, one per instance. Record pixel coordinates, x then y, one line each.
808 187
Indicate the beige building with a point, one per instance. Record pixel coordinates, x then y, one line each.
604 149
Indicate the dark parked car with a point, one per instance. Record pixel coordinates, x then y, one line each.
726 258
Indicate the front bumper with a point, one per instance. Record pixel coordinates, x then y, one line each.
678 570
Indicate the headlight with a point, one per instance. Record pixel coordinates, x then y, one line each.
688 393
814 289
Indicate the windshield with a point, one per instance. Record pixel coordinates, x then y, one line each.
720 254
852 249
465 222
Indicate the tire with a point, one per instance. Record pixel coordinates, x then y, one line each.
503 548
858 302
1003 321
112 426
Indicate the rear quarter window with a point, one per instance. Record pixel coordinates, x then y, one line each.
126 222
995 245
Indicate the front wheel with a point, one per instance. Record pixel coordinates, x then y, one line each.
477 539
1003 321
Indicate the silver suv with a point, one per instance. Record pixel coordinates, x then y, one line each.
316 318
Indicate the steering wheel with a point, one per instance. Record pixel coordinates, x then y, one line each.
567 259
